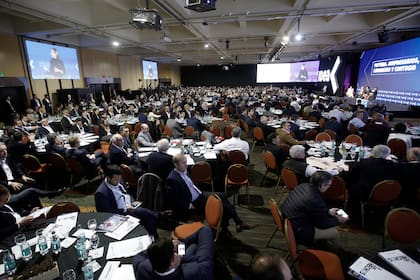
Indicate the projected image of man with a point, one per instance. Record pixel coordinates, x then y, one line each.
303 73
56 64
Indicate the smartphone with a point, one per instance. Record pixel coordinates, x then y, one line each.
181 249
341 213
137 205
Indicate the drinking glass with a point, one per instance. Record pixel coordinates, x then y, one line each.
19 239
69 274
92 224
94 241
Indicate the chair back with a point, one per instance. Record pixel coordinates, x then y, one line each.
403 225
31 163
258 133
353 129
270 161
385 192
105 145
168 131
77 170
398 148
289 178
322 136
275 212
137 127
244 125
128 175
312 118
317 264
331 133
189 131
151 192
290 238
236 157
337 192
321 122
285 148
226 117
215 129
96 129
353 138
237 174
228 131
311 134
201 172
57 161
214 213
62 208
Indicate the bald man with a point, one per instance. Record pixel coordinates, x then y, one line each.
270 266
144 139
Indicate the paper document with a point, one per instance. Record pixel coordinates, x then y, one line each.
402 263
96 253
67 242
109 270
364 269
87 232
210 155
112 223
124 229
39 212
128 248
190 160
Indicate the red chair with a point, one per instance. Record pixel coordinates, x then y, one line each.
402 225
236 177
353 138
236 157
322 136
311 134
271 166
289 179
277 218
201 173
337 193
258 136
189 132
398 148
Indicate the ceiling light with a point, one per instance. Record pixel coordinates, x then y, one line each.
206 45
286 39
298 37
198 64
116 43
222 57
178 59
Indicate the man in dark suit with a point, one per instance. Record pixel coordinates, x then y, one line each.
160 163
89 161
367 173
118 154
161 260
112 197
47 104
273 141
55 144
183 196
95 116
306 209
408 173
44 129
195 122
125 133
66 122
376 133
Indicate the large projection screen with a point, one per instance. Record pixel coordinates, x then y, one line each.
298 72
394 70
48 61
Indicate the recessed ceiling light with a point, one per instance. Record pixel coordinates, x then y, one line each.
222 57
198 64
116 43
298 37
179 59
206 45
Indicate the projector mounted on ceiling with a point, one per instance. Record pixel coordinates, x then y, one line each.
145 18
200 5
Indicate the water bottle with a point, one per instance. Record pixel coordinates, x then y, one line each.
26 251
9 262
42 243
80 247
55 243
361 153
332 151
322 149
88 270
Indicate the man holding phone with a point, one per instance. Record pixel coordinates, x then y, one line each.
308 213
189 259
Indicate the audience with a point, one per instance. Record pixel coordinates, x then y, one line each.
144 139
160 162
234 143
269 266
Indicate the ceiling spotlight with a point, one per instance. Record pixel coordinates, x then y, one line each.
222 57
178 59
227 44
286 39
116 43
198 64
298 37
206 46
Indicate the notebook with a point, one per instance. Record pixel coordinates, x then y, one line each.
364 269
402 263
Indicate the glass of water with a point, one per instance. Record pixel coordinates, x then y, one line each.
94 241
92 224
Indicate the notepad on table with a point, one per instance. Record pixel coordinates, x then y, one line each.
402 263
366 270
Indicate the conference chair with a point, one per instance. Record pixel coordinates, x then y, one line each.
402 225
236 177
213 216
382 195
353 138
337 194
289 180
322 136
62 208
277 218
201 173
258 136
398 148
271 166
150 191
